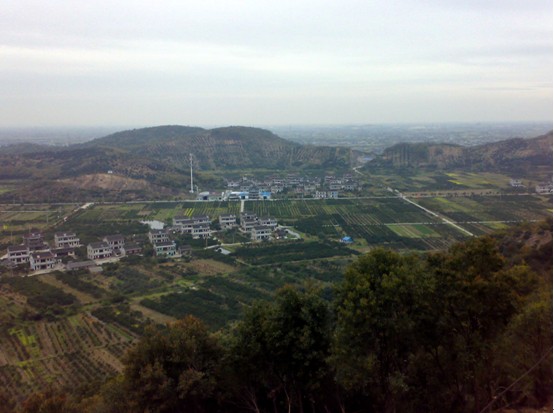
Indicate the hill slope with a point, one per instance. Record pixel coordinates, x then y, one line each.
222 148
153 162
513 155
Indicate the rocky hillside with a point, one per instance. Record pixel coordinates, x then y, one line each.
153 162
509 155
222 148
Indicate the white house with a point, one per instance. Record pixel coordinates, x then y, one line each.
248 216
247 225
43 261
157 236
18 254
180 220
268 222
228 221
35 241
544 188
66 240
166 248
261 232
200 231
98 250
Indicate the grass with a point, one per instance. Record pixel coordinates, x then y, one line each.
482 180
413 231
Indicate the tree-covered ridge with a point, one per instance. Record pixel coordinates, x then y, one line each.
140 152
513 155
155 162
220 148
465 330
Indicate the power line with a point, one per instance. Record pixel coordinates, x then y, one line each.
548 352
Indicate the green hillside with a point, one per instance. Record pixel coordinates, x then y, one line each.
154 162
513 155
232 147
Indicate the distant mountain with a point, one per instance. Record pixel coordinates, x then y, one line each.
154 162
513 155
233 147
26 148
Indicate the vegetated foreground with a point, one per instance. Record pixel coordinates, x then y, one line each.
469 329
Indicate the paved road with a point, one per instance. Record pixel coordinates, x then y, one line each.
173 201
446 221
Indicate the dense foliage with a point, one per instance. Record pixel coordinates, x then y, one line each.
466 330
46 298
74 280
291 251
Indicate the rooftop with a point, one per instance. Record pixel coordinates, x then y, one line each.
98 245
42 255
64 234
114 237
16 248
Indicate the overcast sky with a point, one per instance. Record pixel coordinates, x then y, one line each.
257 62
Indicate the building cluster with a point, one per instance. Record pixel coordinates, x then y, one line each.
163 245
516 183
40 255
260 189
544 188
259 228
540 188
111 246
198 226
36 252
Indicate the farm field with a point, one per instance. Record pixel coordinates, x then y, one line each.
484 214
160 211
367 220
67 352
68 329
72 329
481 180
17 219
370 221
465 182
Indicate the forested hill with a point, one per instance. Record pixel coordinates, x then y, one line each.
221 148
512 155
153 162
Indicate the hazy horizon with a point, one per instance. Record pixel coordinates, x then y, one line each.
353 135
265 63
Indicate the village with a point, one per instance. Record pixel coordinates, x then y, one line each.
291 185
38 256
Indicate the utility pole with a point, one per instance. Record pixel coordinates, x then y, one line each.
191 181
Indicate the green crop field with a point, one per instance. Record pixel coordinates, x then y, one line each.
370 221
480 180
16 220
483 214
67 329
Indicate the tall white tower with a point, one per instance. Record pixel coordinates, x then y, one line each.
191 181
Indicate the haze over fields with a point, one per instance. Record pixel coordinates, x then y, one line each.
139 63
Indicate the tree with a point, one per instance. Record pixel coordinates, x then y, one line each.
174 370
474 297
48 401
377 308
279 351
6 403
524 358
